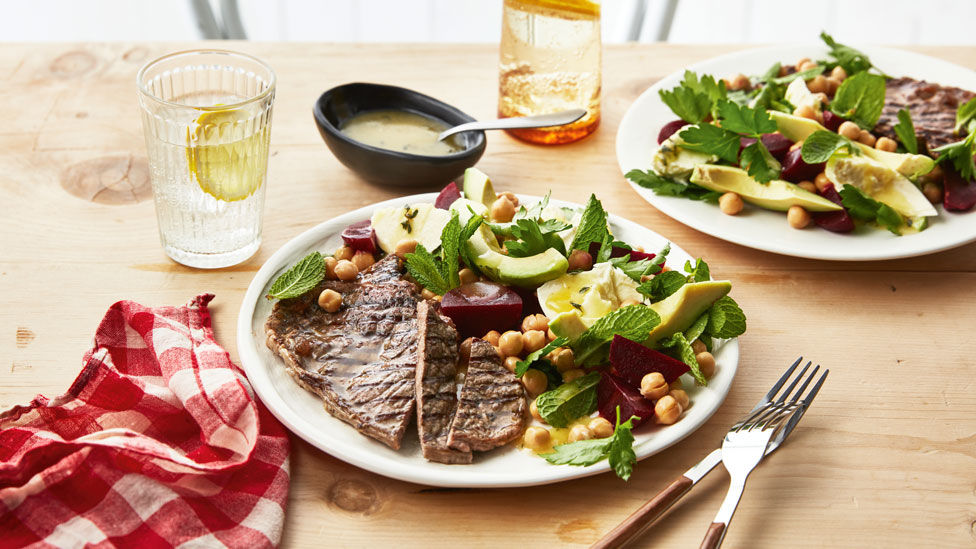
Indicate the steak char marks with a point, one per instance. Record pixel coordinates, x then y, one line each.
361 360
933 109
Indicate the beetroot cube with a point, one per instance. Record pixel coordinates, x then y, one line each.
632 361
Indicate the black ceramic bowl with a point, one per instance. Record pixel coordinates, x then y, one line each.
387 167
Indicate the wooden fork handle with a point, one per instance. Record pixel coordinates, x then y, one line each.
639 520
714 535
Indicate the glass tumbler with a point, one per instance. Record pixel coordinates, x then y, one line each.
206 115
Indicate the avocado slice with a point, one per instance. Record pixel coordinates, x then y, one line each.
569 324
679 310
796 128
477 187
776 195
880 183
527 272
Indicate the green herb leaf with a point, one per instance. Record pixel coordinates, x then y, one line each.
633 322
759 163
771 73
819 146
530 239
535 212
522 366
621 451
690 106
663 186
711 139
706 85
865 208
592 226
739 119
805 75
698 272
725 319
469 229
697 328
851 59
569 401
905 130
961 155
965 113
860 98
423 267
680 347
662 285
450 250
580 453
302 277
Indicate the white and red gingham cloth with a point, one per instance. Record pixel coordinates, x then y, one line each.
158 443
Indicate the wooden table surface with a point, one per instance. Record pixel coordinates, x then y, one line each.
886 457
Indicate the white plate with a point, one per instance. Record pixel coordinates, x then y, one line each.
766 230
302 411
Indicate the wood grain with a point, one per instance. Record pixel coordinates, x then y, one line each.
885 458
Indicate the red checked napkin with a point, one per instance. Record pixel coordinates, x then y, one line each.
159 442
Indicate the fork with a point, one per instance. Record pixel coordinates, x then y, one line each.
746 443
643 517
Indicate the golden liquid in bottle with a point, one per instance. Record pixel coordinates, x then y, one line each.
549 62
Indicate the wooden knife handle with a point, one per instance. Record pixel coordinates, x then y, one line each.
714 535
639 520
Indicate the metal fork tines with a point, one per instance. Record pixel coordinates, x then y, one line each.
764 427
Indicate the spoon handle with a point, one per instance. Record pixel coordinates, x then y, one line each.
538 121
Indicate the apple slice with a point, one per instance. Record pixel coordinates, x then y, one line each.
632 361
614 391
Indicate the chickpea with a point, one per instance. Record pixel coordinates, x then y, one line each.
572 375
698 346
738 82
535 322
346 270
935 176
832 85
535 382
330 265
427 294
932 191
534 410
344 252
363 260
551 336
492 337
510 196
580 260
510 363
801 62
822 181
464 350
839 73
628 303
502 210
798 217
600 427
564 360
681 398
806 65
510 343
796 145
467 276
653 386
783 71
667 410
676 384
706 363
405 246
886 144
533 340
850 130
580 432
817 84
805 111
807 186
330 300
536 438
730 203
867 138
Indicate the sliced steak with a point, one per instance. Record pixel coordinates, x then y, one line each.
492 409
361 360
933 109
437 360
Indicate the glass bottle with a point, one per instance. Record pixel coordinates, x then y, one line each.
549 62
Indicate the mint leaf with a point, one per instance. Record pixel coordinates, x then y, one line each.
851 59
679 346
569 401
662 285
819 146
450 250
725 319
469 229
711 139
739 119
522 366
302 277
905 130
592 227
759 163
633 322
868 209
697 272
697 328
423 267
965 113
860 98
581 453
621 451
663 186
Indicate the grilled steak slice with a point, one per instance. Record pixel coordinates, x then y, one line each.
361 359
492 408
933 109
437 358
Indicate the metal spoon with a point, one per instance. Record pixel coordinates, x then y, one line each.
538 121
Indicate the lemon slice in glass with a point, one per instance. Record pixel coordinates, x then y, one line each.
225 156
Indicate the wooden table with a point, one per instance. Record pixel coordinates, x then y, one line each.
887 457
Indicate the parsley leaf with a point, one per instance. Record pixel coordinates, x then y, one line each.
642 267
711 139
619 449
864 208
739 119
302 277
689 105
663 186
535 212
819 146
851 59
725 319
592 227
697 272
532 240
679 345
569 401
860 98
522 366
633 322
424 268
759 163
905 130
662 285
961 154
965 113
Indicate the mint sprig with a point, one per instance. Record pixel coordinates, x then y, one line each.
618 449
634 322
725 319
522 366
868 209
860 98
819 146
440 273
592 226
569 401
300 278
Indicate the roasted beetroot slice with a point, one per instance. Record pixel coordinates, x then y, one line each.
614 391
480 307
447 196
832 121
796 170
837 222
777 145
632 361
360 236
960 195
669 129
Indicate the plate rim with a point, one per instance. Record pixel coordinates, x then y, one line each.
257 372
